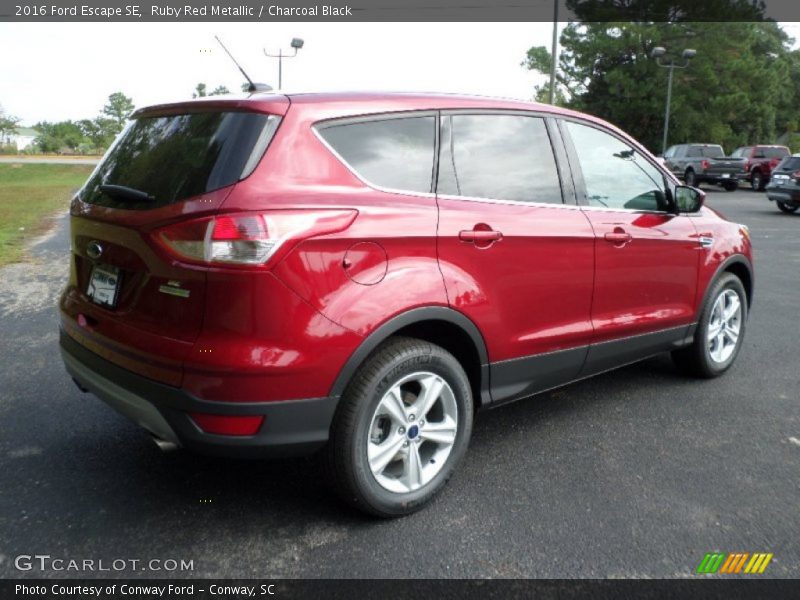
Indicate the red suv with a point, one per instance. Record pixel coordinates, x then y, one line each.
360 273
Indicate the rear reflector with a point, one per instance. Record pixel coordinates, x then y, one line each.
227 424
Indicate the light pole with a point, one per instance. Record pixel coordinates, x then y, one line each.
658 53
296 44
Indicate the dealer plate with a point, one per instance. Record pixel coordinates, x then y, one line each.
103 287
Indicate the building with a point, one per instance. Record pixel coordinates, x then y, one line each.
23 137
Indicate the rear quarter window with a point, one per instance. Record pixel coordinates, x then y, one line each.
394 153
173 158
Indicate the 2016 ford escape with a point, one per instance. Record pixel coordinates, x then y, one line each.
359 273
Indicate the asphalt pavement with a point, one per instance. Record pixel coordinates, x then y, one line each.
634 473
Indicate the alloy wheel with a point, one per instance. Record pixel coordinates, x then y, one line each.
724 326
412 432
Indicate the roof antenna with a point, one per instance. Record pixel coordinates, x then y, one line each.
253 87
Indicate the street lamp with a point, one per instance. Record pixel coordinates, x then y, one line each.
659 53
296 44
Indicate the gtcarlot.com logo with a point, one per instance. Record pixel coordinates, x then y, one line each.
735 562
45 562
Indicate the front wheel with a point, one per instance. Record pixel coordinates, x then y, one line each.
720 330
401 428
787 208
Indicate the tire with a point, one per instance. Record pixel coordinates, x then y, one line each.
730 186
704 357
757 181
689 178
787 208
368 417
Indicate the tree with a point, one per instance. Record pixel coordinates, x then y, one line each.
220 90
732 92
8 124
57 137
199 91
118 109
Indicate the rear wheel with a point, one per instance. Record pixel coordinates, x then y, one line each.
689 178
787 208
757 181
401 428
720 330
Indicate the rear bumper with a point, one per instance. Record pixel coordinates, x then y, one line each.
783 194
719 178
290 428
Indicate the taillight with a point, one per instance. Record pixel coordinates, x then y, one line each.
249 239
704 164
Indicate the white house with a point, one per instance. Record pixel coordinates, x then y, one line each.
23 137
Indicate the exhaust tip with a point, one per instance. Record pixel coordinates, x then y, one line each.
164 445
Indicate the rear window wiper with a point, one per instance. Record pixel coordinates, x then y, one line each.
123 192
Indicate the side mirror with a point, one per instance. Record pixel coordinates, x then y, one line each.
688 199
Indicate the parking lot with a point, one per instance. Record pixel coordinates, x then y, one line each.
635 473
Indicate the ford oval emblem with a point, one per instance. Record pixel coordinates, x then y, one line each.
94 250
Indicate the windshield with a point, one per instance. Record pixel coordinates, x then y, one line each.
741 152
175 157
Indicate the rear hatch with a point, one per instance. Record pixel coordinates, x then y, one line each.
787 173
127 299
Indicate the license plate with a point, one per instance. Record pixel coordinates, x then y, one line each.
726 175
104 285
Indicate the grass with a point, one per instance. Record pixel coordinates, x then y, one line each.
28 194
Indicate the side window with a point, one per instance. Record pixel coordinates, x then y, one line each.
670 152
392 153
503 157
615 174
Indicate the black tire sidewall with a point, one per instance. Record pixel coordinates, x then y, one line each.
709 365
690 178
440 363
757 183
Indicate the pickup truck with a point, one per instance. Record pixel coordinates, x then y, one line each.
759 162
704 163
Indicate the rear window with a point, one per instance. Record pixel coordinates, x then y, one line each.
175 157
395 153
774 152
790 163
505 157
707 151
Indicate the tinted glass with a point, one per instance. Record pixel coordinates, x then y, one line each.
775 152
393 153
505 157
670 152
742 152
615 174
713 151
790 163
179 156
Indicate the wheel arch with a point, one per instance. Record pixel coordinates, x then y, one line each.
737 265
439 325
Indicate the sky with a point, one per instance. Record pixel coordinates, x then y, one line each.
58 71
67 71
